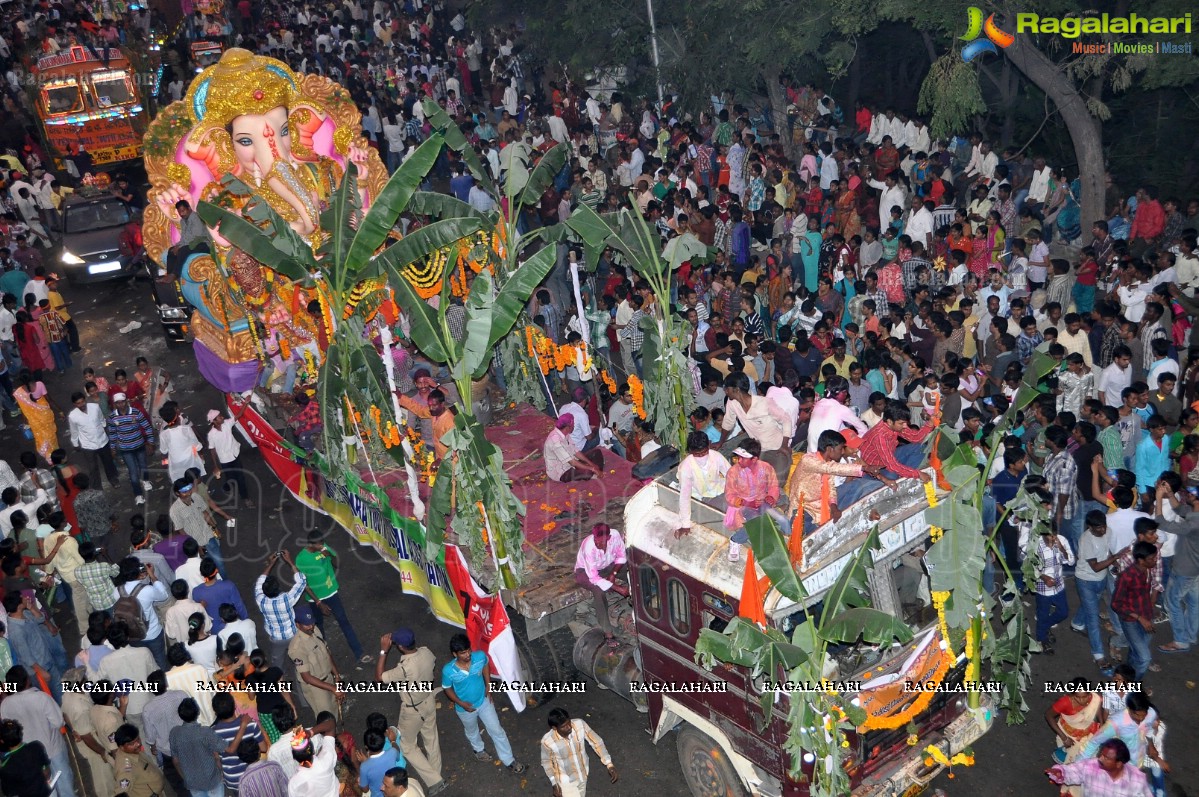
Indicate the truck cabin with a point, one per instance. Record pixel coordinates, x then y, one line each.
680 586
78 84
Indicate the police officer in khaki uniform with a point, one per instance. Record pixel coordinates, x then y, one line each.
135 771
314 665
418 709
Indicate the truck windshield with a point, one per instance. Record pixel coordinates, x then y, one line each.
111 88
63 97
96 216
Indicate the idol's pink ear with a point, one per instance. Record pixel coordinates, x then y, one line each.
305 126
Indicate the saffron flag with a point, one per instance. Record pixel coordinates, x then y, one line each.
487 623
795 544
753 598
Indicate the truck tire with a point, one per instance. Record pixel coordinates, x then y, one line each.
547 659
706 768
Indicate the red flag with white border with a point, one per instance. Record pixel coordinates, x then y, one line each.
487 623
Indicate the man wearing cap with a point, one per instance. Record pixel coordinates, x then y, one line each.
132 438
226 455
418 709
137 774
563 460
314 664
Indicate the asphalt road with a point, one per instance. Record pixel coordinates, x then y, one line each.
1010 760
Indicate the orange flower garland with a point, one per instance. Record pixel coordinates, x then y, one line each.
608 381
638 390
551 356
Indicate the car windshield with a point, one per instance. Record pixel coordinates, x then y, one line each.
95 216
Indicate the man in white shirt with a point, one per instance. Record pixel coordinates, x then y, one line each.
920 225
11 499
479 199
1116 377
89 434
892 197
226 455
583 436
1038 187
982 163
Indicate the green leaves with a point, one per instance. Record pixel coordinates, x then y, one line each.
516 290
852 589
393 200
476 348
956 561
543 174
770 552
440 121
424 324
256 243
420 242
868 625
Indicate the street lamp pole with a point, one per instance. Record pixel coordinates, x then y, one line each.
653 38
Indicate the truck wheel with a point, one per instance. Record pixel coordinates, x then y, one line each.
546 659
706 768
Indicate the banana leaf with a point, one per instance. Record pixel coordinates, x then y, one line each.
480 306
543 175
589 227
770 551
336 220
516 161
869 625
439 509
422 319
367 379
955 563
393 200
440 120
420 242
444 206
682 248
516 290
254 242
851 589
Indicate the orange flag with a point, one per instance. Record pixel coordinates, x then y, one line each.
795 544
753 597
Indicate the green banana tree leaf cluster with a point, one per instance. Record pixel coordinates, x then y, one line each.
353 376
819 720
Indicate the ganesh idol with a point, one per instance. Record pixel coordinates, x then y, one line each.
250 135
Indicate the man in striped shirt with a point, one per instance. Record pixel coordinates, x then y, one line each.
277 607
132 439
564 754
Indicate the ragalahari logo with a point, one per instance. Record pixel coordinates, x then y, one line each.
995 40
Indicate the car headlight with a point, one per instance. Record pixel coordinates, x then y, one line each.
70 259
172 312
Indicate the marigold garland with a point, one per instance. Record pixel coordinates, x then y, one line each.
895 720
608 381
637 388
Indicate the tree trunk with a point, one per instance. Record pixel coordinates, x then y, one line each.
1086 132
778 113
855 82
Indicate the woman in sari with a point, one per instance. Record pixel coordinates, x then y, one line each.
32 344
38 409
847 287
64 473
156 385
809 252
995 239
845 202
980 258
1074 719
